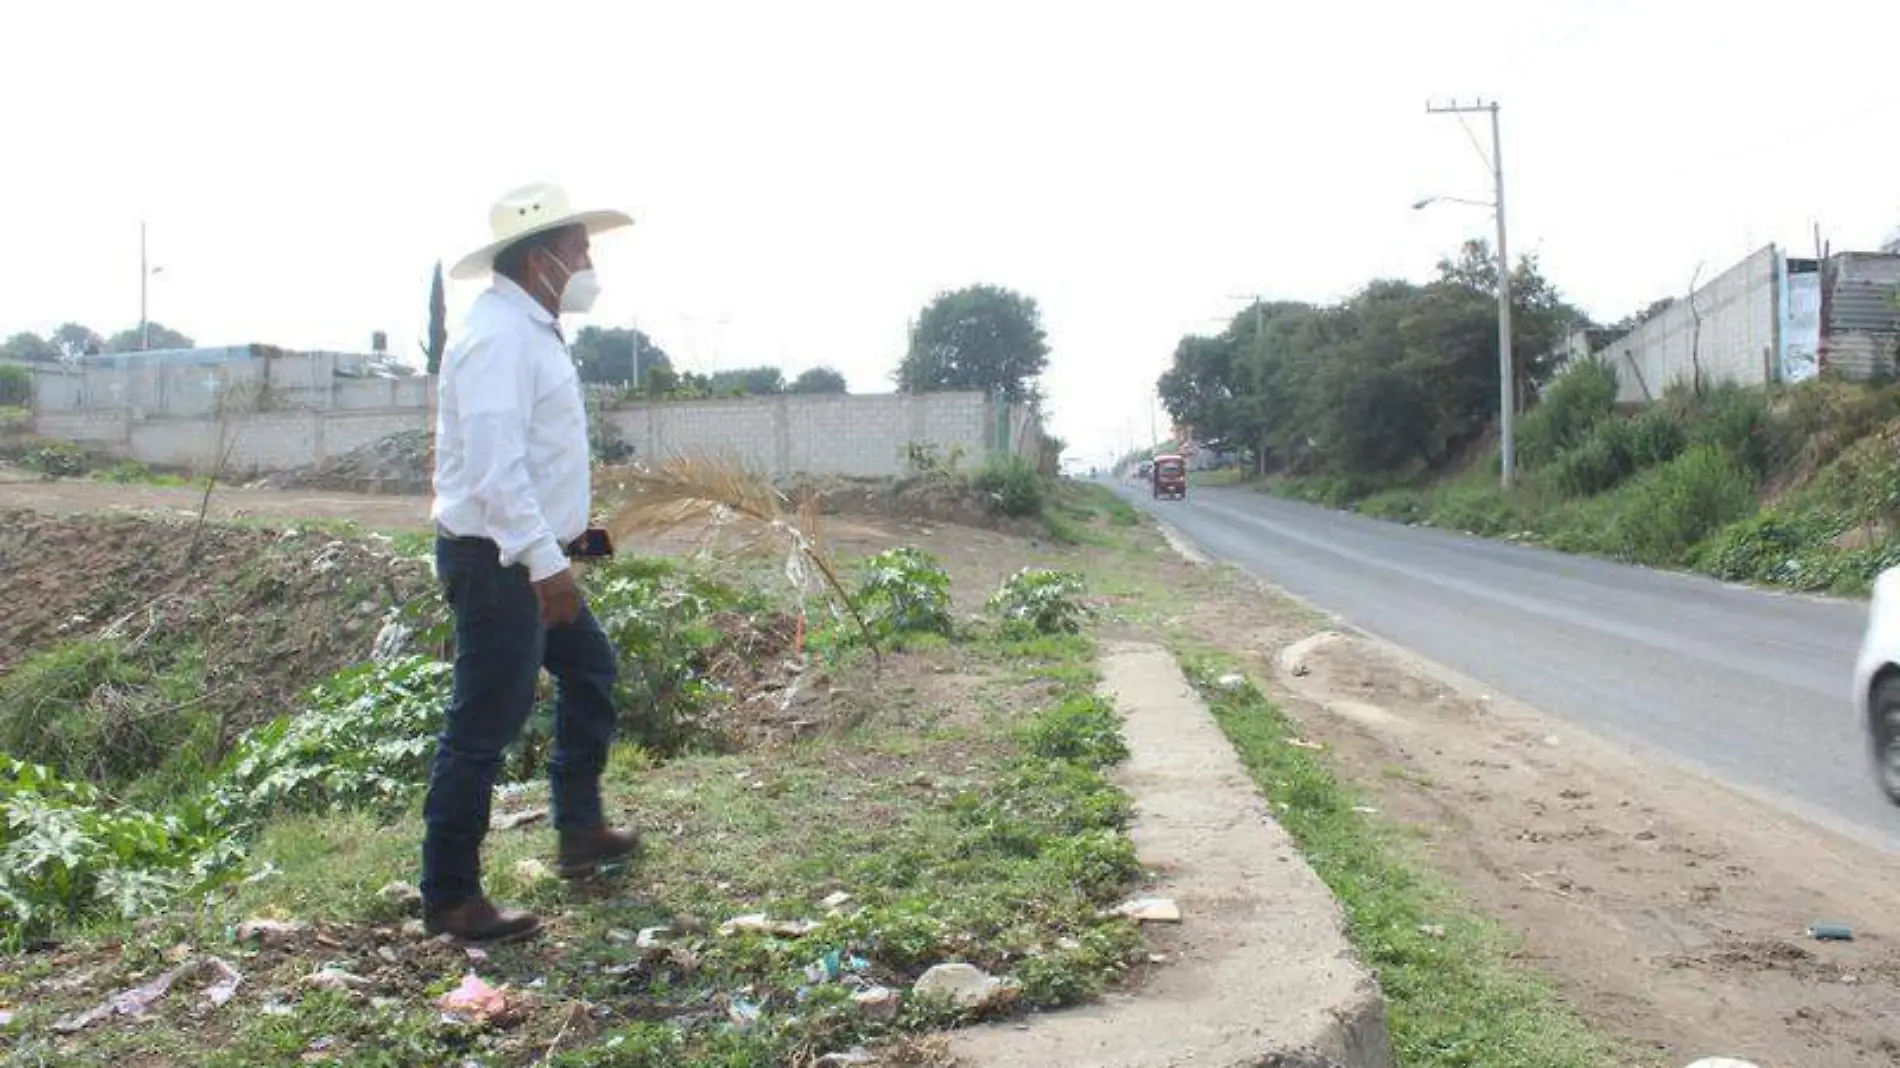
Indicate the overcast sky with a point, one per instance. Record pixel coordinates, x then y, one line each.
807 175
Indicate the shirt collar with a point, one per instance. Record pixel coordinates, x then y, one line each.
510 290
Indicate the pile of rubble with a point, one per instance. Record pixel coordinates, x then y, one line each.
401 463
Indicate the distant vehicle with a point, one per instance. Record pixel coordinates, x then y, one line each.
1170 477
1877 681
1146 472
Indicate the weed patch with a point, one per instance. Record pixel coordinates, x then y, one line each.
1454 997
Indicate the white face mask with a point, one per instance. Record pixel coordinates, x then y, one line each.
580 291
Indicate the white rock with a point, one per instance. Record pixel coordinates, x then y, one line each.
878 1002
649 937
1150 910
336 979
1231 682
271 932
964 985
837 900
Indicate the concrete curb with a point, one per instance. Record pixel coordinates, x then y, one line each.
1260 972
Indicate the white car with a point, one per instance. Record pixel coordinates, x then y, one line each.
1877 681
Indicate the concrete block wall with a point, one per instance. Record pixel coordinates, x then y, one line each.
862 436
1739 314
284 380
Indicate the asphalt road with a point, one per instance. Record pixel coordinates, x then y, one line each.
1749 686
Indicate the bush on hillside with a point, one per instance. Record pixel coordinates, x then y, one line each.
1570 409
1012 485
1734 420
1668 510
16 386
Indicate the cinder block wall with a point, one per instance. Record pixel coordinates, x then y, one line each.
862 436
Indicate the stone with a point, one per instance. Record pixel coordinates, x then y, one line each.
403 894
1150 910
878 1002
332 977
837 900
965 986
271 932
649 937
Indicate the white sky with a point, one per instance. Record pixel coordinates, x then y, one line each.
807 175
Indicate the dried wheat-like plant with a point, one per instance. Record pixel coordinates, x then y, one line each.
728 498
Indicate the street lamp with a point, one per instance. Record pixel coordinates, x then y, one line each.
146 271
1507 378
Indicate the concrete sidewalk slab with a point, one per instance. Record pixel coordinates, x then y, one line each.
1259 972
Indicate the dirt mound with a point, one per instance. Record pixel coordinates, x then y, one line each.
266 614
932 500
401 463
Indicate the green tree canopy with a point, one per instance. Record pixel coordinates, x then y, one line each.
983 337
750 381
29 348
74 340
1396 377
135 339
818 380
612 354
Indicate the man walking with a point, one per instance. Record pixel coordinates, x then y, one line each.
512 496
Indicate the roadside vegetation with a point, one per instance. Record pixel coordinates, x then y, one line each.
826 824
1799 488
1454 996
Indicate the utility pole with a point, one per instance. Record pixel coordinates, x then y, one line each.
145 274
1507 378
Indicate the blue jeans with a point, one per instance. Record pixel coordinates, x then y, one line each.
500 649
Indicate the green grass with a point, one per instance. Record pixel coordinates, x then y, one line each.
1072 509
1454 997
982 829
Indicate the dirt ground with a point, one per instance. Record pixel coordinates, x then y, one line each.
1666 907
67 496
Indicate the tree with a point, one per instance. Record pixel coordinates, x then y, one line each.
29 348
152 336
619 355
74 341
437 341
818 380
982 338
1397 378
748 381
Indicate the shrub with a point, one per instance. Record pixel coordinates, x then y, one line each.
1735 420
366 739
103 711
1013 486
1041 601
1671 508
67 851
660 619
55 459
1655 438
1485 510
1787 550
1569 410
1082 729
1598 463
905 591
16 386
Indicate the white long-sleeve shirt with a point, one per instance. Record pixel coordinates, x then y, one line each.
511 454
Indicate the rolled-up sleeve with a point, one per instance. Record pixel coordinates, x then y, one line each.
495 381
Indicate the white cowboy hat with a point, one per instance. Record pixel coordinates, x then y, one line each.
527 211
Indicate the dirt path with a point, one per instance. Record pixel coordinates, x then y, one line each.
69 496
1667 907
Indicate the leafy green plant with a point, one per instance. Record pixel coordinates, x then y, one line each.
1571 408
1672 508
16 386
66 852
366 739
56 459
926 459
660 618
1012 485
905 591
1041 601
105 711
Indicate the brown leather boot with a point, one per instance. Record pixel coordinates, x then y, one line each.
584 849
479 920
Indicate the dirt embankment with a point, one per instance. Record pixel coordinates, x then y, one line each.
268 612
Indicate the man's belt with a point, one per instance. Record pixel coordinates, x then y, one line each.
594 544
